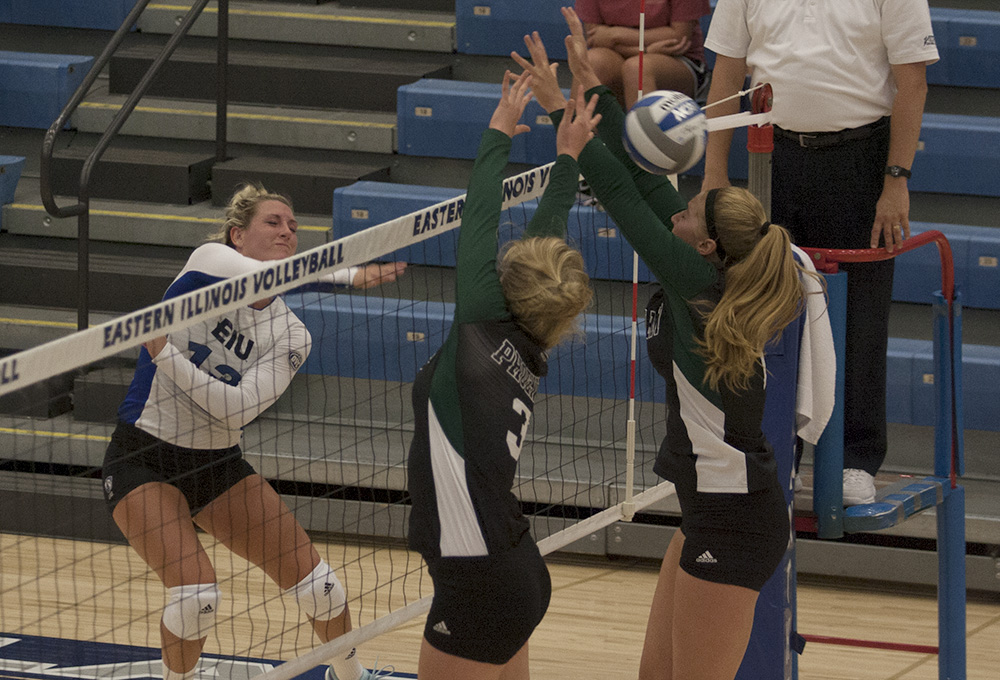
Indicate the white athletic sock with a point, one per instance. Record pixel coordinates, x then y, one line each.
348 668
174 675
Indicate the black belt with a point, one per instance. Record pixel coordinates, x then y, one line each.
815 140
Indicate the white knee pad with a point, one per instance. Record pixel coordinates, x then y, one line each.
190 611
320 595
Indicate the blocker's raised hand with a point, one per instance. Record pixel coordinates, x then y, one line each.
544 84
514 97
578 124
576 49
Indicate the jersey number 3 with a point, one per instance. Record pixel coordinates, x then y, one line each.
516 440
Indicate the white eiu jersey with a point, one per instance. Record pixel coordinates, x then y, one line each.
215 377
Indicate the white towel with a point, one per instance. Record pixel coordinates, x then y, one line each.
816 391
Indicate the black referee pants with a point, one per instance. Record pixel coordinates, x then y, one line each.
826 197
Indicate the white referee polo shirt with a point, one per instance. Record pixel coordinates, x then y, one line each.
828 61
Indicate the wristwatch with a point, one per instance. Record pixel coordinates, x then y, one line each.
898 171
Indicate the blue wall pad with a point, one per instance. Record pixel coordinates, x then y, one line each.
446 119
969 44
498 27
10 173
365 204
958 155
911 393
102 14
35 87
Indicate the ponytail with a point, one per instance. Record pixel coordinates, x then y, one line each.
763 292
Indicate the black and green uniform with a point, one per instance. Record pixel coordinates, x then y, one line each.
715 451
472 403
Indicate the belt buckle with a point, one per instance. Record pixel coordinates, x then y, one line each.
804 137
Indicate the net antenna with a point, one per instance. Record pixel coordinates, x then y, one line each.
628 505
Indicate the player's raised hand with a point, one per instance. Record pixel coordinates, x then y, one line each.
514 97
576 49
578 123
544 84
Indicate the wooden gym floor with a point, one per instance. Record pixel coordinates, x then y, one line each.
593 629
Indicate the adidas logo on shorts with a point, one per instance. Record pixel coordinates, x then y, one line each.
441 628
207 609
706 558
327 587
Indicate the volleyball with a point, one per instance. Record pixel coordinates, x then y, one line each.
665 132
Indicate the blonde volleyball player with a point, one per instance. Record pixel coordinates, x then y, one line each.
472 404
729 283
175 462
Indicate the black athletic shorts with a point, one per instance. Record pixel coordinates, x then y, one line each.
135 457
485 608
734 538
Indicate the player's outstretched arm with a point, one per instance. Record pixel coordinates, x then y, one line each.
375 274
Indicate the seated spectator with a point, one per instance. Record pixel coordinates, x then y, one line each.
675 55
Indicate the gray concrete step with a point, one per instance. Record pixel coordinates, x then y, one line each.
279 75
327 24
371 131
185 226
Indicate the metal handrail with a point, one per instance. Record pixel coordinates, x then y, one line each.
826 260
82 208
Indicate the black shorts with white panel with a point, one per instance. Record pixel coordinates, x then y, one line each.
733 538
485 608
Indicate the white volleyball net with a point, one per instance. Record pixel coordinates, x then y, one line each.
334 446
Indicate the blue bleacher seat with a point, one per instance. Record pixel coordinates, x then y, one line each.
982 273
899 378
35 87
6 17
100 14
10 173
958 155
365 204
969 44
446 118
348 330
911 397
498 28
975 251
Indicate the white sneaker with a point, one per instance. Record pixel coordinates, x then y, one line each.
859 487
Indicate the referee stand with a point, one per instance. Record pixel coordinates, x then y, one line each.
775 636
